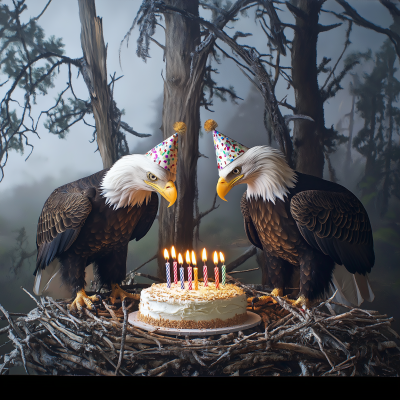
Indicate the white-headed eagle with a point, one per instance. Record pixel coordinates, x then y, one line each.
93 219
299 221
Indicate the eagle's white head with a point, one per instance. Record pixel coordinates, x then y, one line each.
131 180
265 171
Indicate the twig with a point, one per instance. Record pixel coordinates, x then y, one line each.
246 270
121 352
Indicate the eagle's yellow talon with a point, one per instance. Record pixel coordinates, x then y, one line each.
301 302
82 300
116 292
277 292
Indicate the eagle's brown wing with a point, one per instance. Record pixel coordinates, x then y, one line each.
249 227
60 222
336 224
147 218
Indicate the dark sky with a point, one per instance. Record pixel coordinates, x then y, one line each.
54 162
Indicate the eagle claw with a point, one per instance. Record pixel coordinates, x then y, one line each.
116 292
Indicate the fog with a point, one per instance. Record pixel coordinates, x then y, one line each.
54 161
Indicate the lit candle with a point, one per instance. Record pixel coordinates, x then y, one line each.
216 272
195 272
166 256
181 271
189 270
204 258
222 259
173 254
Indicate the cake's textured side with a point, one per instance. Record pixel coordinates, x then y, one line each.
184 324
205 308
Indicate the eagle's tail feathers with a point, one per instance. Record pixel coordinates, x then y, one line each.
353 289
44 276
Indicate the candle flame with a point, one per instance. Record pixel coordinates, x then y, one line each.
188 257
180 259
173 254
166 255
204 255
193 258
215 257
221 257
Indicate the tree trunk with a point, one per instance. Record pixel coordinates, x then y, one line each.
181 103
95 75
307 135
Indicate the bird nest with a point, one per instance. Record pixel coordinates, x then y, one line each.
289 342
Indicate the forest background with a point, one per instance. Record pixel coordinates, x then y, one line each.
366 101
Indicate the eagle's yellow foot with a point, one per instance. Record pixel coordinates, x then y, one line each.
301 302
116 292
260 300
277 292
83 300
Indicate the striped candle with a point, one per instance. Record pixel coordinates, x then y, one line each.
189 270
205 275
182 275
175 272
173 255
216 275
168 275
181 271
204 258
166 256
189 277
216 272
223 268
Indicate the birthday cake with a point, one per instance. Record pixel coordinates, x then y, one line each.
205 308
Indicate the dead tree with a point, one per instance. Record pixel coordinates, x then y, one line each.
23 52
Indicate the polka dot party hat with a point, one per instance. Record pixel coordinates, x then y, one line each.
226 149
165 154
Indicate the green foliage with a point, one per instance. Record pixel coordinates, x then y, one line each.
59 119
21 43
28 61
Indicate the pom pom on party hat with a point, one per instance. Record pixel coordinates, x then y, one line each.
226 149
165 154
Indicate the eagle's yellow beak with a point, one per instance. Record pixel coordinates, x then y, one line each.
223 187
168 192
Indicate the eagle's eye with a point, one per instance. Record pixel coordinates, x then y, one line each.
236 171
151 176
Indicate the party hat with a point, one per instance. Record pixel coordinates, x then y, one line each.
226 149
165 154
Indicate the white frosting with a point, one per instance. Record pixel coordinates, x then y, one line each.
205 304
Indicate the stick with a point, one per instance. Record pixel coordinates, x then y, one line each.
121 352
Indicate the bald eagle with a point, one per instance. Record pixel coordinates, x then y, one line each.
93 219
302 222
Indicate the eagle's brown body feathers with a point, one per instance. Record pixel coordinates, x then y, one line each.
79 228
320 223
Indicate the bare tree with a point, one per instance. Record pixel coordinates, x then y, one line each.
32 65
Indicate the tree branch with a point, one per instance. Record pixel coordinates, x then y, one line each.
360 21
250 252
197 220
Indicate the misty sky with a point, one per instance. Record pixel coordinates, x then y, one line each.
54 162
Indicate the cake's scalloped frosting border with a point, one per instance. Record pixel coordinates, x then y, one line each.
238 319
